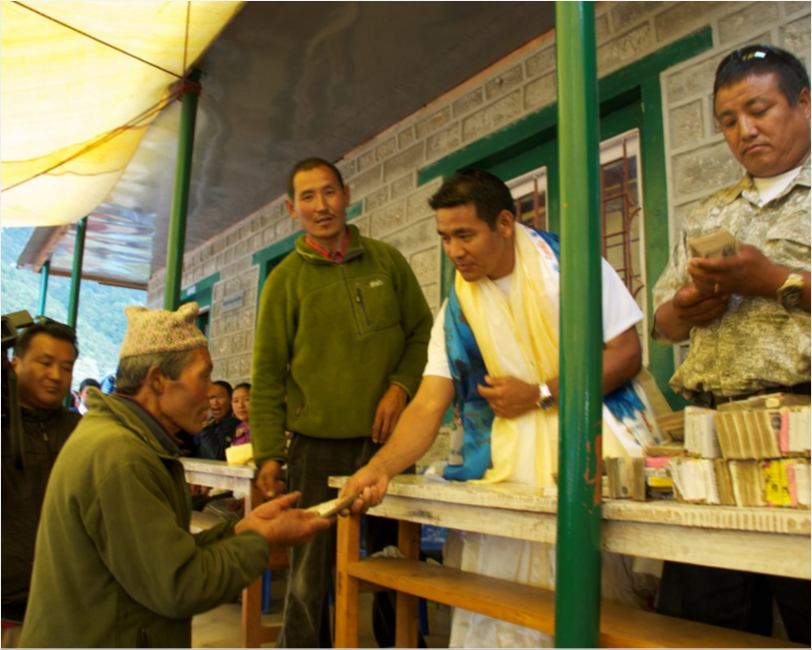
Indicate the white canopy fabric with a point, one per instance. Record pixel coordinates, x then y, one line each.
81 82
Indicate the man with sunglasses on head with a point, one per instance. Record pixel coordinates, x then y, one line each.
43 360
746 314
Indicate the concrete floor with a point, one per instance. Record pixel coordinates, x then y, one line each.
220 628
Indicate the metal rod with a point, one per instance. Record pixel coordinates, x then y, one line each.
578 589
45 273
76 273
180 196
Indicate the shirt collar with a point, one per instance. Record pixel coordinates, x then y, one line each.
166 439
335 256
355 248
746 187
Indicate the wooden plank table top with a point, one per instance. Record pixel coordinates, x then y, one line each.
772 541
239 478
764 540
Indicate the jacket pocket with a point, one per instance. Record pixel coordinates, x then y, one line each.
376 303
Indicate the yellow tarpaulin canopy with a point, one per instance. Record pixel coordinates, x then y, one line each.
81 82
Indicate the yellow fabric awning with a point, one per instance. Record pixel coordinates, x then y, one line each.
81 82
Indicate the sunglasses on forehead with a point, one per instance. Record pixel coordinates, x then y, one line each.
753 53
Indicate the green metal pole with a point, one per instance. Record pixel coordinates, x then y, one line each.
578 590
45 273
76 273
180 197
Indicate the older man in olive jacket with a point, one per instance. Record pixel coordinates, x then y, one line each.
115 564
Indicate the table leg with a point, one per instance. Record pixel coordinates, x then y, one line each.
252 615
406 612
348 551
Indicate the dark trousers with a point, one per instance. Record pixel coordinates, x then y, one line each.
306 619
735 599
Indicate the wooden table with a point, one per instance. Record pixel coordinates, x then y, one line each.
762 540
240 478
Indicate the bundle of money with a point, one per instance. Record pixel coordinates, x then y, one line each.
718 244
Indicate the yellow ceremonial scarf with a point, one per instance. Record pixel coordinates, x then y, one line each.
519 337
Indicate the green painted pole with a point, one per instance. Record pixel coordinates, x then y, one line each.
45 273
76 273
180 197
578 589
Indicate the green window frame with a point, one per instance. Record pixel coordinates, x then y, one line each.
201 293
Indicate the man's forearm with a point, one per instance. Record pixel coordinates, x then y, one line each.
670 324
622 359
412 438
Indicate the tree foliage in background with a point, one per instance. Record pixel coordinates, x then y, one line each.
101 321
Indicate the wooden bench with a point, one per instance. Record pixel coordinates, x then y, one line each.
621 626
527 514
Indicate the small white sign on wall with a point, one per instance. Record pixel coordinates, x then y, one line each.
234 301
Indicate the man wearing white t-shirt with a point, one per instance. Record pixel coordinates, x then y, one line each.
746 315
503 369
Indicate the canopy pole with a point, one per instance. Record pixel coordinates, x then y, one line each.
45 273
578 573
190 90
76 273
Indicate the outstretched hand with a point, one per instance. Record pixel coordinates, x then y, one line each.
371 482
281 525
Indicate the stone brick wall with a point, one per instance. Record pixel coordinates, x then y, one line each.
382 173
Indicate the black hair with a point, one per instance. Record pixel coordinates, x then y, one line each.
245 385
305 166
760 60
225 385
487 193
51 328
89 382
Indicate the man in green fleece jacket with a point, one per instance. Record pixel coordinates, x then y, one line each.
115 564
340 347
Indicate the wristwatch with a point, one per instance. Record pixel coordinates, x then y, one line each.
546 401
789 294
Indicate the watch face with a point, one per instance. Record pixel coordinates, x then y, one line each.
791 295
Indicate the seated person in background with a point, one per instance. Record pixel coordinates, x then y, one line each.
241 405
84 387
115 563
218 434
108 384
228 505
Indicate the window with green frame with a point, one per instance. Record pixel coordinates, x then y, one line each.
201 293
621 212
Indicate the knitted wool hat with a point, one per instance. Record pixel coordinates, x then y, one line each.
157 330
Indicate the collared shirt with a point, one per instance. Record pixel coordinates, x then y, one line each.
757 344
336 256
